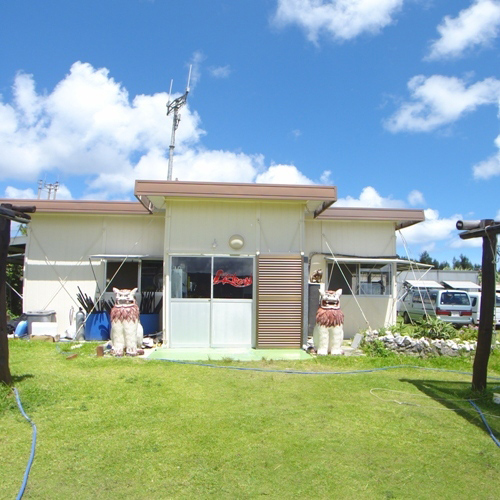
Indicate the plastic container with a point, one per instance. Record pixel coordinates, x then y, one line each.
150 323
21 329
98 326
40 317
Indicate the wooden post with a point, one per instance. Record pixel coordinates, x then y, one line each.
8 212
488 230
486 314
5 376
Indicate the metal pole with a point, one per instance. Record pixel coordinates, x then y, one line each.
175 123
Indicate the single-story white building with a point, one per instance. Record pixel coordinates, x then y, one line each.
231 263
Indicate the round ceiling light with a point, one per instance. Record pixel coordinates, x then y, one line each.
236 241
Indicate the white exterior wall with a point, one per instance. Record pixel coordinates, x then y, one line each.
201 227
204 227
361 239
58 250
59 246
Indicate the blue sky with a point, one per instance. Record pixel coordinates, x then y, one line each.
396 102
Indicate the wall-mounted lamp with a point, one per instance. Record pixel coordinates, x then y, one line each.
236 242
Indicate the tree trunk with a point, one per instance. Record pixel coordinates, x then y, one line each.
486 314
5 376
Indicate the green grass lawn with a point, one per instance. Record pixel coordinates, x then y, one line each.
133 428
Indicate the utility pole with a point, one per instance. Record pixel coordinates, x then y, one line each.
8 213
488 230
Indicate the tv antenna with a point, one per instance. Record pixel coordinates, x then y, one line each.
50 188
174 107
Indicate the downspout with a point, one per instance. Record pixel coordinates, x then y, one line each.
166 277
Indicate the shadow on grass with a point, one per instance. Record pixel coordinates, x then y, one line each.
19 378
455 397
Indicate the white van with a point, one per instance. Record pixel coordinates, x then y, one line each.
451 306
475 298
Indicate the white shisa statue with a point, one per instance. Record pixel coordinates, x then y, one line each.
328 333
126 330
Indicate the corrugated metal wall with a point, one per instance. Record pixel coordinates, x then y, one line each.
279 301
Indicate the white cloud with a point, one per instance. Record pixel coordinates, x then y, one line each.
341 19
197 58
326 177
89 127
85 126
19 194
63 193
489 167
475 26
416 198
434 231
282 174
425 235
369 198
220 71
439 100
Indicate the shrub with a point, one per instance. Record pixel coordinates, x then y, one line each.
435 328
468 333
402 328
376 348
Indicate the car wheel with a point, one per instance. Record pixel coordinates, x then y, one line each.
406 318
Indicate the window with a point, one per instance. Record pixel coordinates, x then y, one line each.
361 279
122 275
233 278
151 276
191 277
212 277
455 299
343 276
125 274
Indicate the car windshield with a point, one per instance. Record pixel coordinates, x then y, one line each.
455 299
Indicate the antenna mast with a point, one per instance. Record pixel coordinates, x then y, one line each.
174 107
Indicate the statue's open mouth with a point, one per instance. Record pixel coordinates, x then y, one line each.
329 302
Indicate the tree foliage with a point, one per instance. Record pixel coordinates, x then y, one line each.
463 263
425 258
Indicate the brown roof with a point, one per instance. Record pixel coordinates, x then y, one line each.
402 217
83 207
153 193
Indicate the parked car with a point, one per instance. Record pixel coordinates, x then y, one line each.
475 298
451 306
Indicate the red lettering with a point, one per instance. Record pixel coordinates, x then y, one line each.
222 278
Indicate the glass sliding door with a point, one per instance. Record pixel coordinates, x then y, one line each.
211 301
232 302
190 291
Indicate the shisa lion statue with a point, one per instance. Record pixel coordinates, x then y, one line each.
328 333
126 330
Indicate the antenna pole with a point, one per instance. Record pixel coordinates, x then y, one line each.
174 107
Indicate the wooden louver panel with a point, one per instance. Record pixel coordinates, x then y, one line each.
279 301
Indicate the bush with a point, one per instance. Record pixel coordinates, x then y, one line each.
468 333
376 348
435 328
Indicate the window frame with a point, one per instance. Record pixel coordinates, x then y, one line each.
213 271
357 271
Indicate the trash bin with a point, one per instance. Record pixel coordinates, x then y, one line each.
98 326
39 317
150 323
